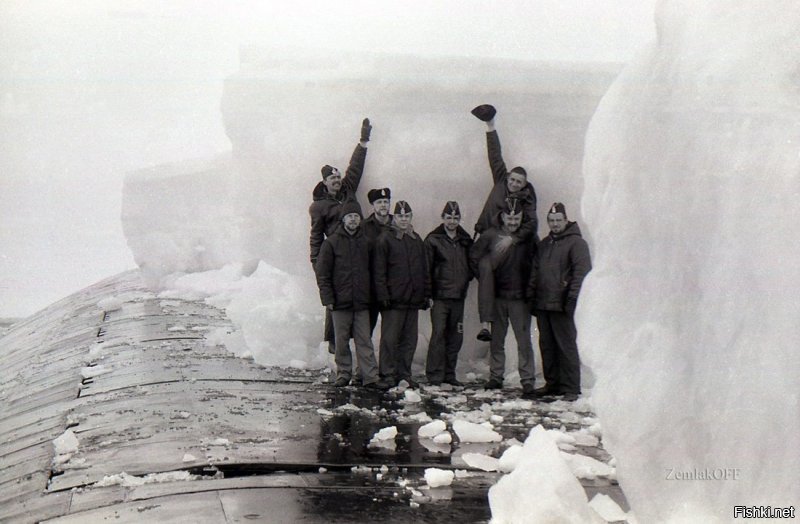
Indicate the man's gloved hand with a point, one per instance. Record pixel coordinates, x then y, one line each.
366 129
484 112
569 306
386 304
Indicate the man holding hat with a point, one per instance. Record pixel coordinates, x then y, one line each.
507 184
344 282
325 210
376 223
561 263
402 286
510 256
447 248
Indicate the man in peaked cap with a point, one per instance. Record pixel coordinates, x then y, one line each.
559 268
377 222
447 248
402 286
345 283
510 256
325 210
513 184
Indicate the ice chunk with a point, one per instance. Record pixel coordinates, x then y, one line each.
585 467
559 495
689 318
471 432
509 459
481 461
436 477
431 429
443 438
188 457
66 443
609 510
411 396
388 433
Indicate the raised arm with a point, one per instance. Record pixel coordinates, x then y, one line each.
355 169
496 162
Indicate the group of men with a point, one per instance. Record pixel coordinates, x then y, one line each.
381 266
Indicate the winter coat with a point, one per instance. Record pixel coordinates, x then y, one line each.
326 209
496 201
343 270
401 274
448 263
561 263
511 270
373 229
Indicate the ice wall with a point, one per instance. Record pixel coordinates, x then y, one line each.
287 113
690 317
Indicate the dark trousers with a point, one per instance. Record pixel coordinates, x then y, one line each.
486 289
347 322
447 335
517 313
561 364
398 343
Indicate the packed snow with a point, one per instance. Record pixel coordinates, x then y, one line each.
689 318
436 477
543 474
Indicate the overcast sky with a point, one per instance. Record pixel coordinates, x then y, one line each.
70 72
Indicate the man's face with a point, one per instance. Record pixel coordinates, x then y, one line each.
451 222
381 207
557 223
333 182
403 220
351 222
511 222
515 182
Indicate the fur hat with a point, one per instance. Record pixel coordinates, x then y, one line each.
558 207
351 206
375 194
451 208
402 207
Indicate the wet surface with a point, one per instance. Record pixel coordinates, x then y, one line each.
233 441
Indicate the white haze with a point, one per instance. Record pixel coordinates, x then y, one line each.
92 90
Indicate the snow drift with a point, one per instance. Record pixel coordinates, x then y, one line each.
690 318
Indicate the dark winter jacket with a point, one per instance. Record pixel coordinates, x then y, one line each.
496 200
561 263
511 270
326 209
401 274
448 262
343 270
373 229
